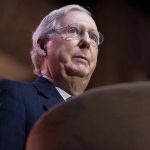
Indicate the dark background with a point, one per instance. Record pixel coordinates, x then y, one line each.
123 57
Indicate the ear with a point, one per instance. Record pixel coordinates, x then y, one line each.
42 41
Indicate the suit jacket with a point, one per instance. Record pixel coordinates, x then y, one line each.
21 104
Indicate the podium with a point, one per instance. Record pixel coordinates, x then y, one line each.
115 117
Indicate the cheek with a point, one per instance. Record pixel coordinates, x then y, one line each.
65 52
61 50
94 57
61 54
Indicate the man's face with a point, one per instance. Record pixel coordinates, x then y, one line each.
76 57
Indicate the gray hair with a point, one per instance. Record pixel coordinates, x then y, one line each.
45 29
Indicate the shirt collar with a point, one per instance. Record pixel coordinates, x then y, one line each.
63 93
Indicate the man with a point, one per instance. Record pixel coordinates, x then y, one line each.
64 55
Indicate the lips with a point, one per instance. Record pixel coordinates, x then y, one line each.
82 58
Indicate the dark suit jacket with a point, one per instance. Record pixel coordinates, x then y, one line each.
21 104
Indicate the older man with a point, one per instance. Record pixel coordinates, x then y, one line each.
64 55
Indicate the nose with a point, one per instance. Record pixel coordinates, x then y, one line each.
84 41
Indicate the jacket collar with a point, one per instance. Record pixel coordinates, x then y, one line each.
47 89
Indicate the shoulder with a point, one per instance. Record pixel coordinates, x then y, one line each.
13 93
6 82
13 86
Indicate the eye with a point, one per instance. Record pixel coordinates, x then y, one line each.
94 37
73 30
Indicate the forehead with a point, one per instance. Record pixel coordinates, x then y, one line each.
78 17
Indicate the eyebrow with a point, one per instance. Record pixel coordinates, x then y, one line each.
91 29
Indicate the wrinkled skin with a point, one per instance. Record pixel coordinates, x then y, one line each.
70 64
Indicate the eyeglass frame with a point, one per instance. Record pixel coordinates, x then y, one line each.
98 34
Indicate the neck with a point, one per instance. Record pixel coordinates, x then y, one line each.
75 86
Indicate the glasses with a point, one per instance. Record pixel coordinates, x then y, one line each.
76 32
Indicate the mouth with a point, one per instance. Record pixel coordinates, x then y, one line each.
82 58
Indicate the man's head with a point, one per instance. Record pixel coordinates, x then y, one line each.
65 48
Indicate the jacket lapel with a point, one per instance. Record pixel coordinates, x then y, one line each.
48 91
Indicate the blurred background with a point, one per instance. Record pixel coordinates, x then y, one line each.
123 57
